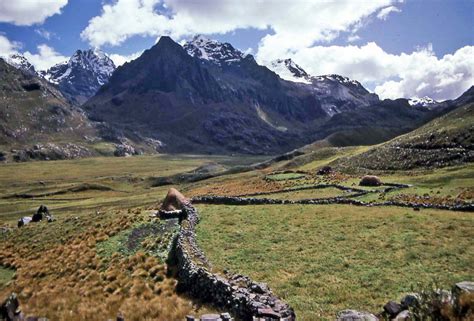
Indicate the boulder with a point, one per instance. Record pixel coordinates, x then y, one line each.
392 308
353 315
403 316
411 300
268 313
325 170
463 298
174 201
123 150
370 180
210 317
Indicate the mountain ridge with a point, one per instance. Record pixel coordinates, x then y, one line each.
82 75
196 104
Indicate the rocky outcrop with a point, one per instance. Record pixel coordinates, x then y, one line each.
242 296
51 151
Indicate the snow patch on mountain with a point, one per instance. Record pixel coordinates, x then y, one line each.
337 78
95 61
20 62
422 102
289 70
213 51
82 75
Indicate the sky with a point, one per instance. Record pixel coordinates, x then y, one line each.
395 48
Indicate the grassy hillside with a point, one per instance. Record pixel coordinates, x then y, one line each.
37 122
447 140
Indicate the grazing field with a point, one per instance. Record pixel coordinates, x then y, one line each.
323 259
74 186
103 250
106 252
306 194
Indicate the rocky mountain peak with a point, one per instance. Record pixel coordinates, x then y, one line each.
213 51
20 62
82 75
287 69
94 61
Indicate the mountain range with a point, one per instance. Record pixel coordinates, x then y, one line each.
209 97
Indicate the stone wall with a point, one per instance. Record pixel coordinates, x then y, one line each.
231 200
243 297
355 191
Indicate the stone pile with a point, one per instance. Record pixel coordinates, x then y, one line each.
423 306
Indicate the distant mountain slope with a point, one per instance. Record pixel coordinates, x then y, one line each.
208 97
38 123
82 76
205 105
336 93
444 141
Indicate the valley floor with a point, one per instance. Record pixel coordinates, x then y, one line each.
319 258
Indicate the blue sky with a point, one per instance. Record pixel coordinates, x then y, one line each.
382 35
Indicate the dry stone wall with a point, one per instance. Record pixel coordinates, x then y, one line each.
243 297
231 200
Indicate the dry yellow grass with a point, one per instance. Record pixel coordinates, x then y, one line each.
65 278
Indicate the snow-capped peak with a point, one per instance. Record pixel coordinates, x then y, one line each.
20 62
287 69
94 61
212 50
337 78
82 75
423 102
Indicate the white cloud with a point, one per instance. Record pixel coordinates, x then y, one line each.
353 38
419 73
29 12
45 58
248 51
120 59
384 13
8 47
321 20
44 33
